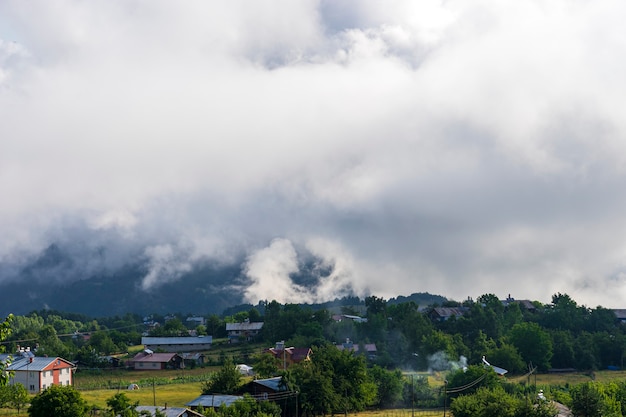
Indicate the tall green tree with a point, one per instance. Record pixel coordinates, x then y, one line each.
224 381
590 400
563 349
506 356
389 386
564 314
334 381
120 405
5 331
533 343
18 397
266 365
58 401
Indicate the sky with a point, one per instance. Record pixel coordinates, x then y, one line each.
452 147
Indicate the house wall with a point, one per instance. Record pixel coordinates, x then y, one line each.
31 380
149 366
36 381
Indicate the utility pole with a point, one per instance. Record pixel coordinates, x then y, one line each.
445 396
412 396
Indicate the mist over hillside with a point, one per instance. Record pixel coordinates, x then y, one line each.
57 280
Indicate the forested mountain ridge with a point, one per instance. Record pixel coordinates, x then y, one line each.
116 293
59 280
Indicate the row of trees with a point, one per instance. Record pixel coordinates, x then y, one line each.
561 334
557 335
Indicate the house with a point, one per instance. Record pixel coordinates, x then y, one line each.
243 331
178 344
369 349
38 373
268 388
213 401
445 313
273 389
168 411
524 304
289 356
196 321
192 359
148 360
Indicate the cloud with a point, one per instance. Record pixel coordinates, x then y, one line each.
447 147
269 270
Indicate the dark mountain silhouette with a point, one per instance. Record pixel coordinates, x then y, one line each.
54 280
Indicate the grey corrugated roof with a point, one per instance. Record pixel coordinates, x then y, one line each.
169 411
38 363
271 383
183 340
211 400
244 326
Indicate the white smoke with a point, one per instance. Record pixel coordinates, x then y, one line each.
440 361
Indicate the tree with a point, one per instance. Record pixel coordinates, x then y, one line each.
467 381
334 381
589 399
388 386
563 348
375 305
58 401
224 381
50 344
565 314
102 343
266 365
120 405
18 396
533 343
496 402
506 356
5 331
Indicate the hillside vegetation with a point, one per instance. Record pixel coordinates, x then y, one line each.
417 349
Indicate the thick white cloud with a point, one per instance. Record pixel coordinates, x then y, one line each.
452 147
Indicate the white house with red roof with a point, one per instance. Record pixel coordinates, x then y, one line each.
37 373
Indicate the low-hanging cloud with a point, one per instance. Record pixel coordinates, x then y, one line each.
451 147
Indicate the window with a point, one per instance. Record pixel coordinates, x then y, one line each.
43 386
32 388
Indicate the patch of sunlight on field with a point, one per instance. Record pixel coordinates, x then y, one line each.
175 395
